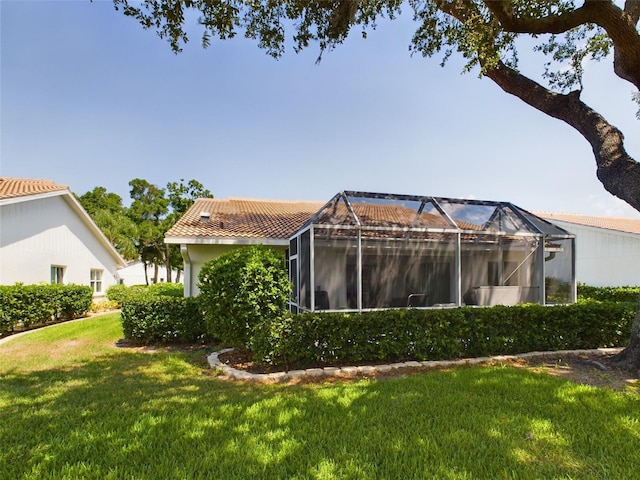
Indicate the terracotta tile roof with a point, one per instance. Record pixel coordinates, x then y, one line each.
239 218
380 215
628 225
244 218
21 187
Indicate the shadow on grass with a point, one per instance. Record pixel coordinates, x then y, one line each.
152 416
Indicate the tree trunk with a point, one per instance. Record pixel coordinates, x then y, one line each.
178 272
616 169
146 275
629 358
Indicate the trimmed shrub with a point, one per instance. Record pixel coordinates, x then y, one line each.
608 294
166 289
9 305
116 293
242 288
163 319
438 334
73 300
120 293
25 306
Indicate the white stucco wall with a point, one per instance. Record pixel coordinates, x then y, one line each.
133 274
36 234
605 258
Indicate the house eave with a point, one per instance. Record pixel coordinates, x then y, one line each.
188 240
31 197
595 228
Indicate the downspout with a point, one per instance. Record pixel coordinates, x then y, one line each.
184 251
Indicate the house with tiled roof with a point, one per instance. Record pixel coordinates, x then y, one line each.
607 248
362 251
46 236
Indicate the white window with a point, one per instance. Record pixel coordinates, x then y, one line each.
57 274
96 280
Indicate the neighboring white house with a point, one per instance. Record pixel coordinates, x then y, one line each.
46 236
607 249
134 274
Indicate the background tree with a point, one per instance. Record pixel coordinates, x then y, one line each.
138 232
109 214
148 209
120 231
181 196
485 32
100 199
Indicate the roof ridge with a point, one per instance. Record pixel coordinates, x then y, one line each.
32 180
270 200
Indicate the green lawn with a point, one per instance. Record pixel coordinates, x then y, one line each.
74 406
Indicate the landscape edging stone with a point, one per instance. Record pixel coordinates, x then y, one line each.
372 370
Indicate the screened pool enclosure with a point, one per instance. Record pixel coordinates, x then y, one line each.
368 251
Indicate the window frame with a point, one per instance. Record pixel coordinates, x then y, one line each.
96 280
57 274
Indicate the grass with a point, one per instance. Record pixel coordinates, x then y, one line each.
73 406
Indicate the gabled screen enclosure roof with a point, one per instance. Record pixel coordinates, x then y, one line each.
376 211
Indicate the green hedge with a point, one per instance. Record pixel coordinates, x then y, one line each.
438 334
122 293
163 319
25 306
166 289
608 294
159 313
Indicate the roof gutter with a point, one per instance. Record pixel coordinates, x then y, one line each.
227 241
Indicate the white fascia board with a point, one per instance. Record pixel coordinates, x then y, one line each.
226 241
29 198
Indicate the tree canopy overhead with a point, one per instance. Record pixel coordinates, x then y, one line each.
486 33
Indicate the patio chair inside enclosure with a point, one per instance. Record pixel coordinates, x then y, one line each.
374 251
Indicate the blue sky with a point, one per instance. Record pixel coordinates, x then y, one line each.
89 98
